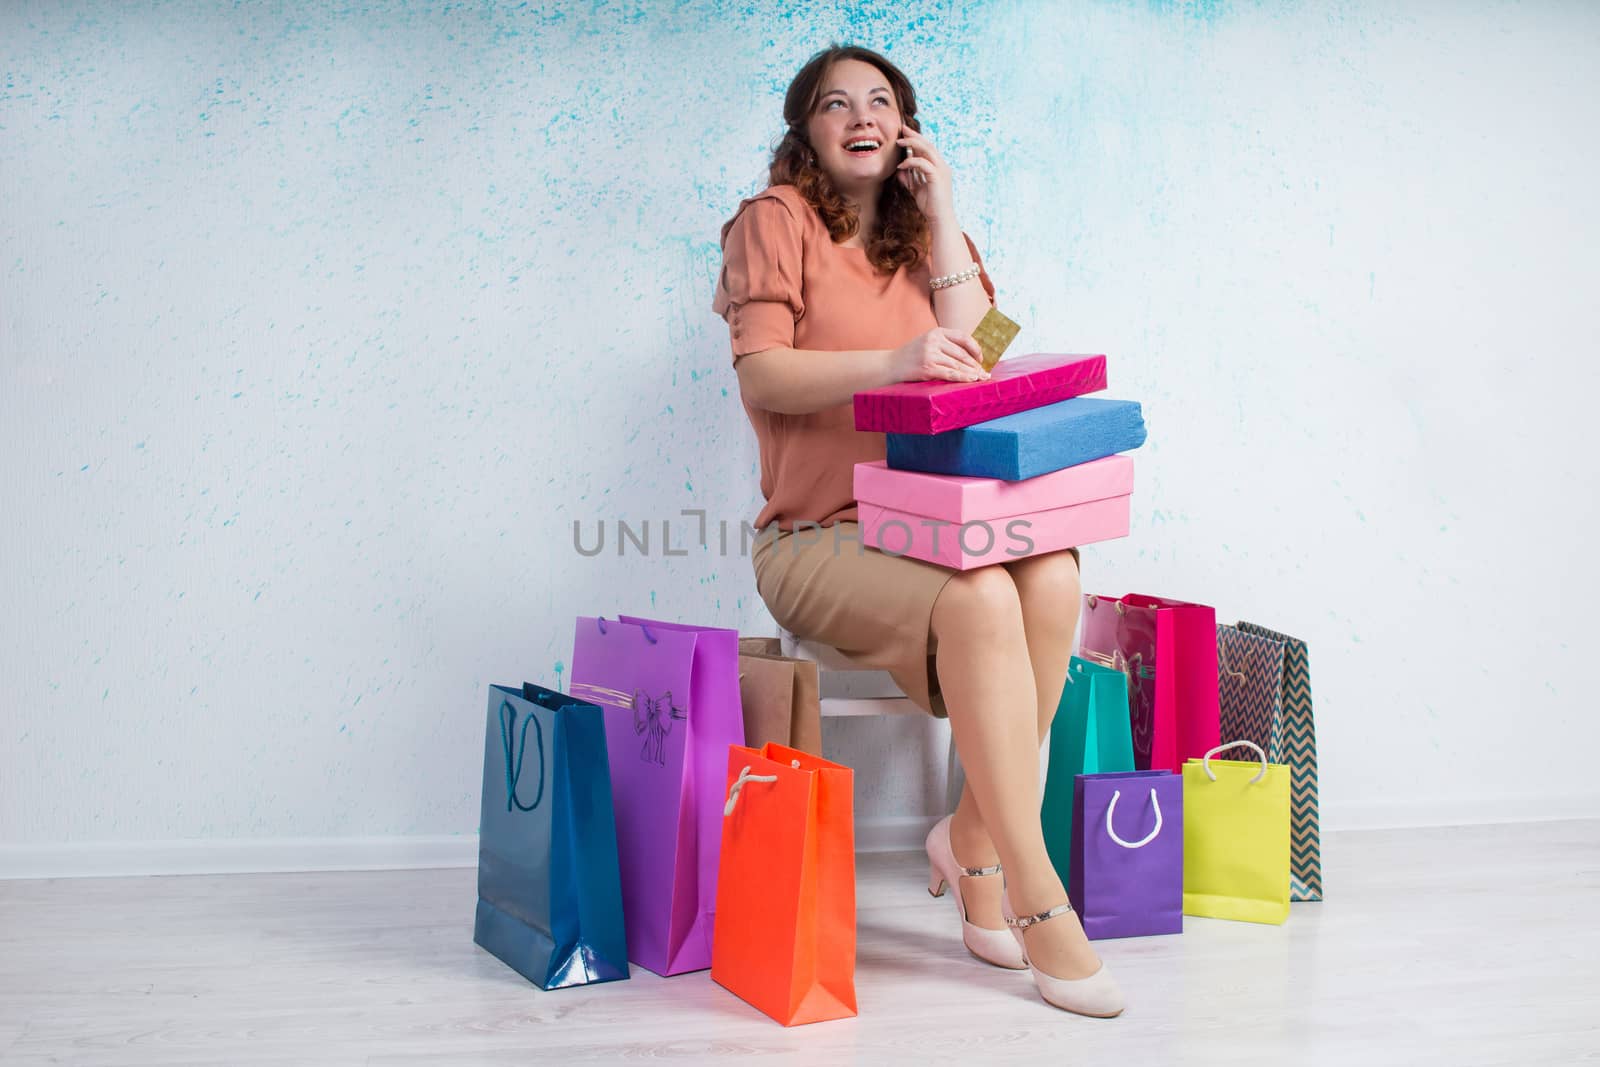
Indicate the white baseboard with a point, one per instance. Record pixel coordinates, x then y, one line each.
123 859
1473 810
894 833
104 859
108 859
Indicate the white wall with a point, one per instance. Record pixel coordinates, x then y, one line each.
320 328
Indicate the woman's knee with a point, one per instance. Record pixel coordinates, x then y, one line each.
1051 578
984 600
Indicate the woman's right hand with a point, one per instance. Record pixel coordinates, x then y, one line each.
939 355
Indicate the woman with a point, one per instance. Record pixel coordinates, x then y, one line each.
848 273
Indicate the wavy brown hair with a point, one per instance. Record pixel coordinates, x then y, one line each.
901 238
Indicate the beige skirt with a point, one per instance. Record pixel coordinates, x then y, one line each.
874 607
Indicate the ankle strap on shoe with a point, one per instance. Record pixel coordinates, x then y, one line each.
1024 921
978 872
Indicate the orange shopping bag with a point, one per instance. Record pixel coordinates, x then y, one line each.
784 939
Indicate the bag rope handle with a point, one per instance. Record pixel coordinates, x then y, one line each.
600 621
1094 602
1260 755
1151 836
1222 659
738 787
514 767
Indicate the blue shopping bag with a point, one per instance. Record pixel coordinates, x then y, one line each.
549 891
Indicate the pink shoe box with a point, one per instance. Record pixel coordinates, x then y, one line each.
1015 385
990 520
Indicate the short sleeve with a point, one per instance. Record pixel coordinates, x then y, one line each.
758 292
983 275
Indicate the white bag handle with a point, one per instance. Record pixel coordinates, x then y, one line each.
1149 837
1260 755
738 787
745 776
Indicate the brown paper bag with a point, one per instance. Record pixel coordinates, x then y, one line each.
779 696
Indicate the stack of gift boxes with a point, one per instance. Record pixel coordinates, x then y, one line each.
1016 465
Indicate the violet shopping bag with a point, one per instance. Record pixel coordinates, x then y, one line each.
1168 649
549 895
1127 854
671 698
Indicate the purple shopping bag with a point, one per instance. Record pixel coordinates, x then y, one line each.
671 699
1127 853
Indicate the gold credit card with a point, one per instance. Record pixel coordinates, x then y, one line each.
994 335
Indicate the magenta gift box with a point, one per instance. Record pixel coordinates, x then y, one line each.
990 520
1014 385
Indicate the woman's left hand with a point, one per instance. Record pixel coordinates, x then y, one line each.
925 175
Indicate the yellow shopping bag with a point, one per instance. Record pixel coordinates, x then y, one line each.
1236 838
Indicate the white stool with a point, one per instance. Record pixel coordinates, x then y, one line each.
849 690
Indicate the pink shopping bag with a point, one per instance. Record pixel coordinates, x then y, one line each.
1168 649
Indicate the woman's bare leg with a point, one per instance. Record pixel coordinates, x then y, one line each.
989 689
1049 591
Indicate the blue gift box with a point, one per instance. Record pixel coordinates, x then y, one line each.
1026 444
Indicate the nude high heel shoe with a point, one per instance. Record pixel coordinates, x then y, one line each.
990 946
1097 996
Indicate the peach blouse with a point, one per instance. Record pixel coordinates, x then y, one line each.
785 284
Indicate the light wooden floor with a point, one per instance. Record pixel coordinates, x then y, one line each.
1462 946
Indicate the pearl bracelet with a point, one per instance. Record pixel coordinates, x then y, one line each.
947 280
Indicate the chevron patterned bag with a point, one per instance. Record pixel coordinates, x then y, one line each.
1264 687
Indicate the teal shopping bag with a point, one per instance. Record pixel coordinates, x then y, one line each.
1090 734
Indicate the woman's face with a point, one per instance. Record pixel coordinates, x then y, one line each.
856 105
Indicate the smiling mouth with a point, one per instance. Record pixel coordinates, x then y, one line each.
864 147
